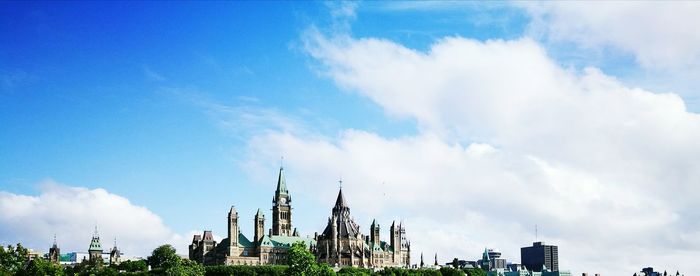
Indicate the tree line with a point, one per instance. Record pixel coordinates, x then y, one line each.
14 260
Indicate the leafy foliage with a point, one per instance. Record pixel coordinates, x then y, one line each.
164 256
12 259
353 271
41 267
475 272
133 266
221 270
450 271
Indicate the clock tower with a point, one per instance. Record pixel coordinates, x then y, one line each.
281 208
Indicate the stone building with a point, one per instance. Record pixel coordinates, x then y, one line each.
341 243
54 252
114 255
237 249
95 249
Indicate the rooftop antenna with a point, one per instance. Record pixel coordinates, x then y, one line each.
340 183
536 233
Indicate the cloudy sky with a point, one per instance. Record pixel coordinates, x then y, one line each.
469 122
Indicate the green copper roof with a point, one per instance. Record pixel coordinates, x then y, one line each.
281 183
265 241
244 242
95 244
377 246
287 241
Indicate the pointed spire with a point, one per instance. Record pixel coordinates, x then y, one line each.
436 262
374 222
281 183
421 259
95 242
259 214
340 202
54 241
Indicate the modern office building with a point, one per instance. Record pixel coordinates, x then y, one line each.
539 257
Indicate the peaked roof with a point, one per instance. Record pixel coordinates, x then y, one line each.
345 225
260 214
340 202
95 242
281 183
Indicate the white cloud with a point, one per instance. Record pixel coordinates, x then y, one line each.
659 34
71 213
508 139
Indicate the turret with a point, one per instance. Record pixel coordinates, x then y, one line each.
259 226
233 231
374 232
54 252
421 260
95 250
114 255
395 241
335 248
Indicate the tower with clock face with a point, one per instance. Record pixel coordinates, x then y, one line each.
281 208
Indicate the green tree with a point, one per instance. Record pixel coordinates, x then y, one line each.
450 271
12 259
301 261
164 256
133 266
186 267
475 271
41 267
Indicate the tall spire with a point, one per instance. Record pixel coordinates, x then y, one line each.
281 183
436 262
340 203
54 241
421 259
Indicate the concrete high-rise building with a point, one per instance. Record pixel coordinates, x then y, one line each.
539 257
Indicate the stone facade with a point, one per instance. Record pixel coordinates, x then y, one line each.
54 252
341 243
95 249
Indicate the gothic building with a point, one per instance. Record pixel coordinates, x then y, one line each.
114 255
341 243
54 252
95 249
237 249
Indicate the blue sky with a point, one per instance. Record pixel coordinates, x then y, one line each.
186 108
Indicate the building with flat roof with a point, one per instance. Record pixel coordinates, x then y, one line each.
540 257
